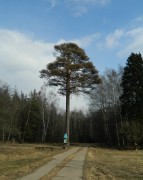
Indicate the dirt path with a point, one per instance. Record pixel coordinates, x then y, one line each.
67 165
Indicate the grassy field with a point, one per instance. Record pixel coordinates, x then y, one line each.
113 164
19 160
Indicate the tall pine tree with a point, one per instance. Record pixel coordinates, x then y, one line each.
132 86
72 72
132 99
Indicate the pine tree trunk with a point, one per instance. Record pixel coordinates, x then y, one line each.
68 107
68 117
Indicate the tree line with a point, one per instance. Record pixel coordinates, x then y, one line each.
114 117
118 101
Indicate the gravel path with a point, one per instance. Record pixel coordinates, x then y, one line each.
65 166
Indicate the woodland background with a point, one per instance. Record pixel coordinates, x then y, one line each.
114 117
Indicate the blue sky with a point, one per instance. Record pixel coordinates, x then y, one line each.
108 30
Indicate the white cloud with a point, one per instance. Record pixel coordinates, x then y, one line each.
52 3
77 2
21 59
80 7
123 41
112 39
82 42
79 11
77 7
137 20
87 40
135 33
133 42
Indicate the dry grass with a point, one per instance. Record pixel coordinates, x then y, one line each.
19 160
113 164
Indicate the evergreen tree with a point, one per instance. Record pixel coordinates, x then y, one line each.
132 96
72 71
132 86
34 124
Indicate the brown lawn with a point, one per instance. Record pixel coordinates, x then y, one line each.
102 163
19 160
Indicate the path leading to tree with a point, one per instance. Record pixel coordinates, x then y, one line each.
67 165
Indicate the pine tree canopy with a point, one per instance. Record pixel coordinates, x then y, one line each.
71 70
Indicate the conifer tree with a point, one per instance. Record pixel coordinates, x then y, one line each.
72 72
132 86
132 99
